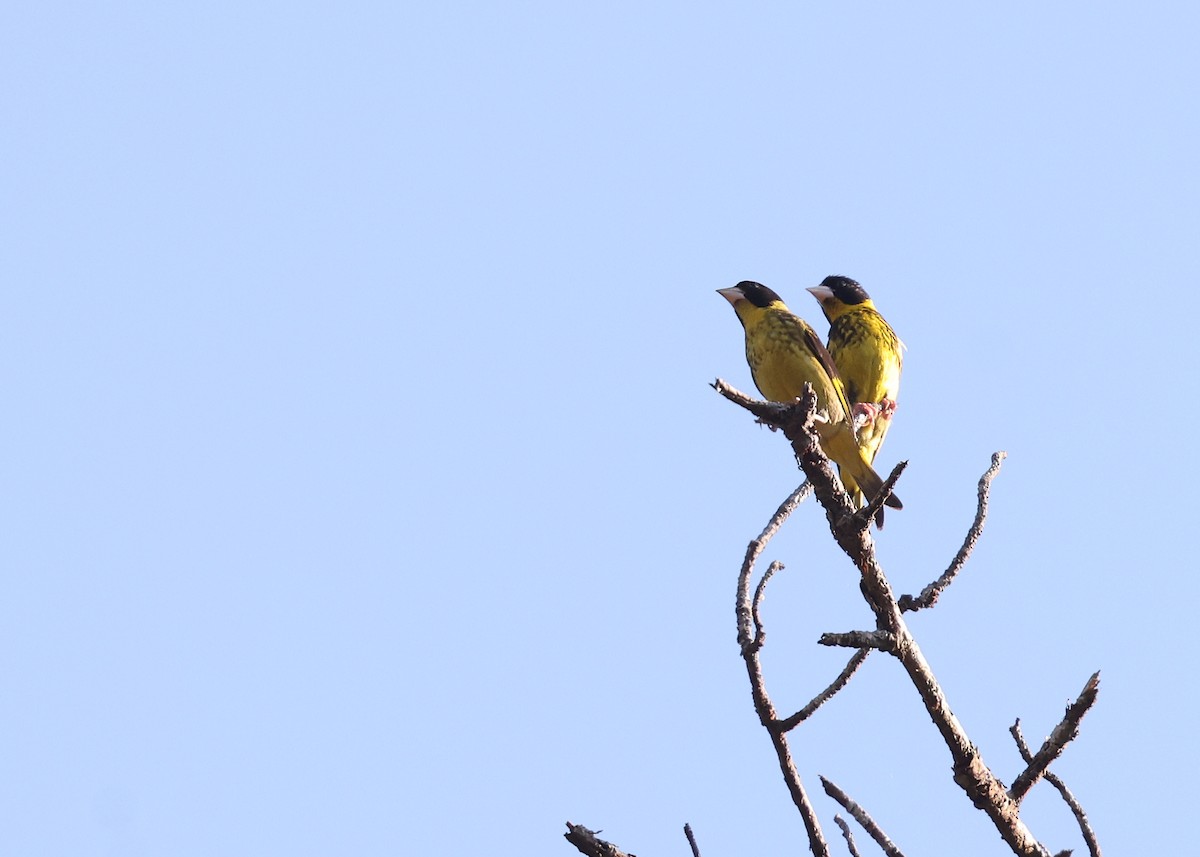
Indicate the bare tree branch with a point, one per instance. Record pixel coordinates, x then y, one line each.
774 414
841 822
867 513
853 536
824 696
753 551
587 843
851 530
796 420
1085 826
750 641
930 594
882 640
760 633
766 716
1063 734
863 818
691 838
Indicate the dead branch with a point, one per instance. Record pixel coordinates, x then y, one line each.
930 594
863 818
751 645
753 551
1085 826
587 843
691 838
1063 734
852 534
882 640
824 696
760 634
867 513
841 822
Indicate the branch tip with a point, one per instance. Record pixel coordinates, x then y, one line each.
863 818
931 593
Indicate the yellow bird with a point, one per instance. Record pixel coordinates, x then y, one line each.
868 355
783 353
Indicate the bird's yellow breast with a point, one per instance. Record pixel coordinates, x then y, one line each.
868 354
780 351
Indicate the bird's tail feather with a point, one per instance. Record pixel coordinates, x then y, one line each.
857 474
863 484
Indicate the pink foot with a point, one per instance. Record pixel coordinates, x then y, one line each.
866 412
863 414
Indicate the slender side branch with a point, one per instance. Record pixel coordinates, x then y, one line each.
867 513
1085 826
691 838
841 822
760 633
753 551
824 696
930 594
863 818
1063 734
587 842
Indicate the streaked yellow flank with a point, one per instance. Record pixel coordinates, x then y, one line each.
868 355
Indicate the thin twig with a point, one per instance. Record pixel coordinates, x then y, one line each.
760 634
863 818
587 843
867 513
753 551
930 594
824 696
687 831
1052 747
841 822
1085 826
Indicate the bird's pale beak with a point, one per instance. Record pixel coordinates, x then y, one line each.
821 293
732 294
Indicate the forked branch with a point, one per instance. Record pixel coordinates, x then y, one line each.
1085 826
852 533
863 818
851 530
1064 733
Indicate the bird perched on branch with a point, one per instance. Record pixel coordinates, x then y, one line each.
783 353
868 355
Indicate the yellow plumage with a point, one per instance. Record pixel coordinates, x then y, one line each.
868 354
783 353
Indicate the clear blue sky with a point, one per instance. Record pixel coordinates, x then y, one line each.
363 492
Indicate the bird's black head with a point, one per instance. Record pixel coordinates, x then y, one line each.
846 290
757 293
